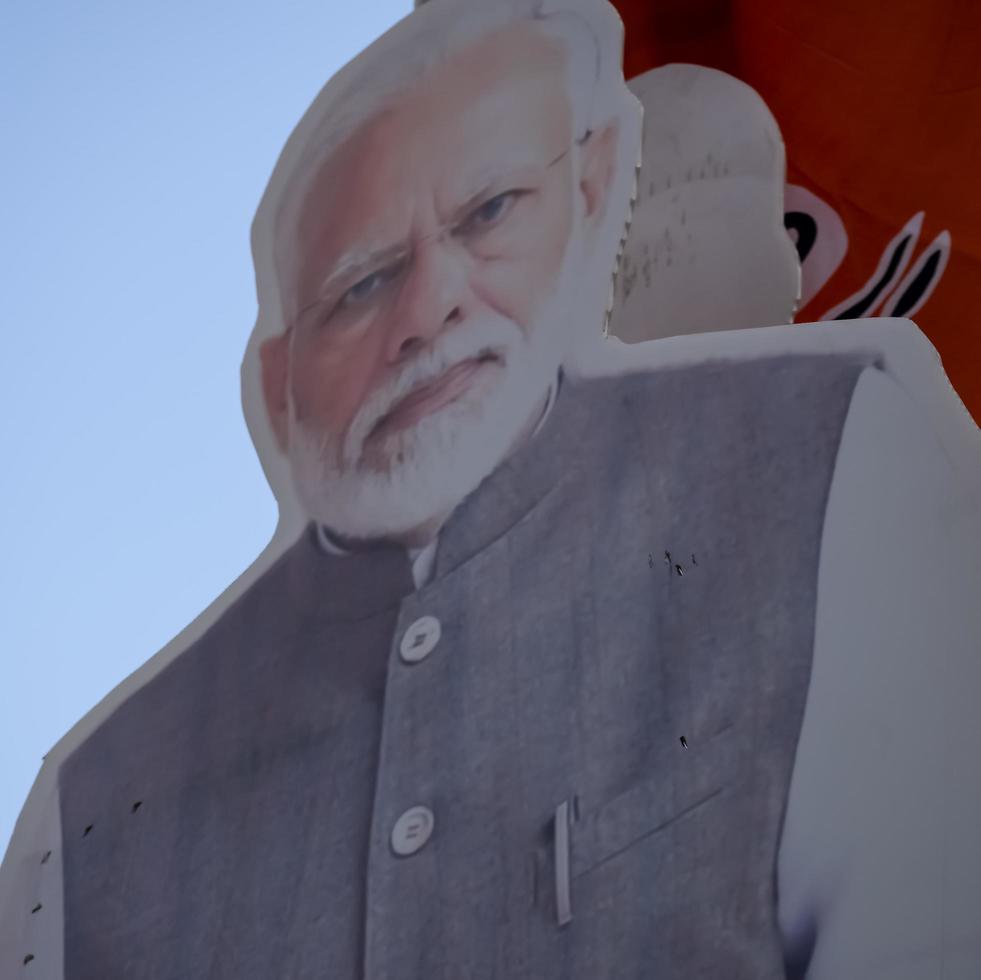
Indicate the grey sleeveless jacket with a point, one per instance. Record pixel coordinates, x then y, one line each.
602 735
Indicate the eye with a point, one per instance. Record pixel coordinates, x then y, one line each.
366 288
362 289
489 213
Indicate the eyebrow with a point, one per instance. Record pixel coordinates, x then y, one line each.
484 179
356 261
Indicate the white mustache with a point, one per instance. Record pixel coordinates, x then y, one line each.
488 335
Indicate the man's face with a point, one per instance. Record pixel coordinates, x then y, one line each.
420 278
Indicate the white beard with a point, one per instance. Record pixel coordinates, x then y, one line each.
427 469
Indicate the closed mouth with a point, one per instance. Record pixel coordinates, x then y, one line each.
432 395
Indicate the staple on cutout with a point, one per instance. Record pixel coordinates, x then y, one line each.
684 742
136 806
28 958
44 860
87 829
679 569
37 908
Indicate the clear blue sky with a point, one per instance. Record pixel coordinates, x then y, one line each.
137 139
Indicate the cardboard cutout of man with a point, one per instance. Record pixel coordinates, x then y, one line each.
588 660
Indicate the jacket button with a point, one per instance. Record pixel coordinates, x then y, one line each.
419 639
412 830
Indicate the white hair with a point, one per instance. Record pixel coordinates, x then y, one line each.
592 35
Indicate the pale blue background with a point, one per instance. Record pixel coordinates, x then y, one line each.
137 138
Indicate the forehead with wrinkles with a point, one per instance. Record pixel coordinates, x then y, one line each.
496 105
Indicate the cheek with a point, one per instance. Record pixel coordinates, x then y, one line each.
330 382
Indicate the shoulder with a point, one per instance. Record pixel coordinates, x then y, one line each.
898 344
786 364
723 380
153 698
895 346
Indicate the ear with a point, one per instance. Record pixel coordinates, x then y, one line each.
274 356
599 160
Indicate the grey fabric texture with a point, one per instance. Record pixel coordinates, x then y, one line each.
273 757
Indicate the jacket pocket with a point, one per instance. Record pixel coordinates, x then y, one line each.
652 804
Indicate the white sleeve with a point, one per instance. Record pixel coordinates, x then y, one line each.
879 870
31 889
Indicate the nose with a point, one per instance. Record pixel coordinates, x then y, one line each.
433 297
